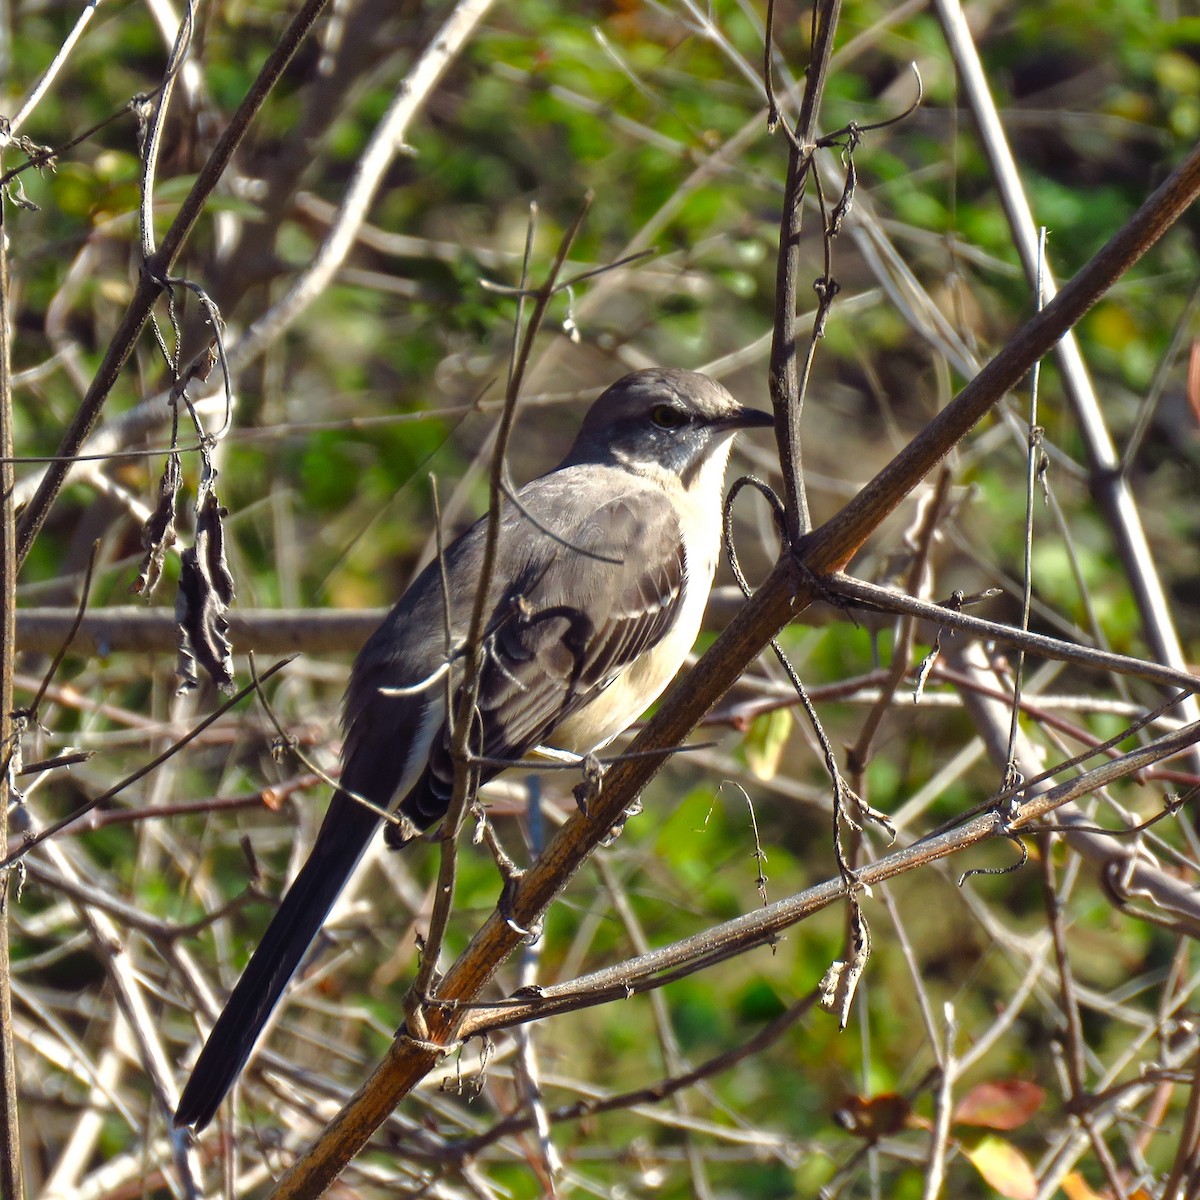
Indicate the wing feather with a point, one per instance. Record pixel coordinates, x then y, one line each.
583 602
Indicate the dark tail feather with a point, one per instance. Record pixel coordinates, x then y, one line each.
340 844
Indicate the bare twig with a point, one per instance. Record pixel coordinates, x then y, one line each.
156 269
11 1178
939 1135
657 1091
785 593
784 376
762 925
890 600
1074 1039
49 831
51 73
1109 484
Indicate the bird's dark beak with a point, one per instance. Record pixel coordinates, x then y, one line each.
747 418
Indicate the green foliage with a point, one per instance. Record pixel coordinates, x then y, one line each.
394 370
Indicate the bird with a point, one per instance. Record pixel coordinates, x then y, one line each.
603 571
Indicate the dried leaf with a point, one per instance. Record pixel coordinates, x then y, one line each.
1004 1104
766 741
1193 381
923 668
205 592
840 982
1004 1168
158 534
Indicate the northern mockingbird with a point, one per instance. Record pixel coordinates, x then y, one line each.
603 572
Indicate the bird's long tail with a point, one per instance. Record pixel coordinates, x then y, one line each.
344 836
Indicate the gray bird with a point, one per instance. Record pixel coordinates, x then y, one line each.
603 573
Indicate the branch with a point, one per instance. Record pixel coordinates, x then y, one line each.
154 270
11 1181
787 591
1109 483
783 377
134 628
762 926
872 596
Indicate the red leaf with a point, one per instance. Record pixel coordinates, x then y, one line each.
1006 1104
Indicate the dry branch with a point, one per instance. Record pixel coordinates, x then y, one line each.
792 585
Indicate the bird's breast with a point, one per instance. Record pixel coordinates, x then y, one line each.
645 679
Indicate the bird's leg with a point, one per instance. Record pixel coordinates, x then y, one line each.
593 781
589 790
511 875
399 831
562 758
593 773
485 832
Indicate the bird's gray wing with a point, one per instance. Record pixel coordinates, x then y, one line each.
580 604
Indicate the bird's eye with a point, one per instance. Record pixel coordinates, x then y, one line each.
667 416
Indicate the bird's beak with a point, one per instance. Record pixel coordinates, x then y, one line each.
746 418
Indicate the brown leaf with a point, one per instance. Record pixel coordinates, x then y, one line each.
1004 1104
1193 381
203 599
158 534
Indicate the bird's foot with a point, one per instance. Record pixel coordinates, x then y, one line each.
399 831
588 791
504 906
485 832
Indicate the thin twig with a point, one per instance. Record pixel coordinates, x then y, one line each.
785 593
1108 484
783 377
11 1179
889 600
51 73
148 287
61 652
157 122
939 1136
921 542
50 830
1033 466
655 1092
1075 1043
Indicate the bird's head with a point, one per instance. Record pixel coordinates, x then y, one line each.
664 421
